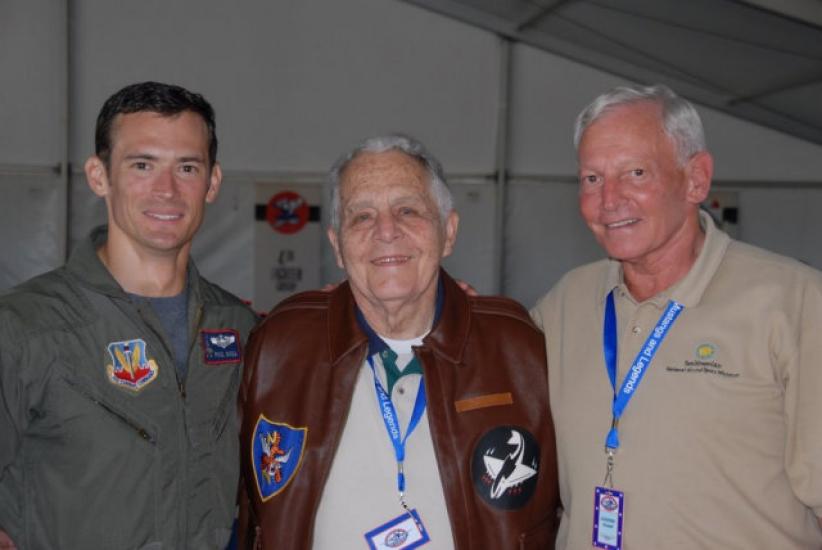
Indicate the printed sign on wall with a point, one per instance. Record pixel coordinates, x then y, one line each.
287 241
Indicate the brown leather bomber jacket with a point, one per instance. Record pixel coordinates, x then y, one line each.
485 377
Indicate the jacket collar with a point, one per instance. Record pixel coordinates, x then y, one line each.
447 338
377 344
85 265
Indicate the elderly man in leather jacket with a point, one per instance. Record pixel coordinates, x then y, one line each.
396 411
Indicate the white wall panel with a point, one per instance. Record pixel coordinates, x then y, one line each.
224 246
746 151
30 231
546 237
473 258
547 93
32 62
295 83
784 220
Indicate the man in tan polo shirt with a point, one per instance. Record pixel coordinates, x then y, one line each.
707 352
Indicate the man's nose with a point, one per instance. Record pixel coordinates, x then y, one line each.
611 192
165 184
387 227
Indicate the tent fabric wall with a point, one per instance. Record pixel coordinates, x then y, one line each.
295 84
32 60
31 233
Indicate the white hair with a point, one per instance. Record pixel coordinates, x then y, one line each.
405 144
680 120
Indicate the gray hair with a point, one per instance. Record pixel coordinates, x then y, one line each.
380 144
680 120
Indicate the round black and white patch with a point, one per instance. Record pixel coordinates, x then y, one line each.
505 467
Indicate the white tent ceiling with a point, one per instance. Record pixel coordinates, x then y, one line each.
759 60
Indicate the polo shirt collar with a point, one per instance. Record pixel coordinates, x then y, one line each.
689 290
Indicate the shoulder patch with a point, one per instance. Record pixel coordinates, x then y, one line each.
130 366
276 455
505 467
220 346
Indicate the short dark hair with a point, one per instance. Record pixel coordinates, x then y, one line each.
155 97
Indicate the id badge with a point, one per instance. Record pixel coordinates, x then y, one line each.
401 533
609 509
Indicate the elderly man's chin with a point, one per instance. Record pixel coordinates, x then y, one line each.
395 287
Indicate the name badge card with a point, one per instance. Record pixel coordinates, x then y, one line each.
401 533
609 508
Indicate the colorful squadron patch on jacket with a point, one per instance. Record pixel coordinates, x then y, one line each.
505 467
130 367
276 454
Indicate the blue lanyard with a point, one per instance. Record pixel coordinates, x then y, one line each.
392 424
643 359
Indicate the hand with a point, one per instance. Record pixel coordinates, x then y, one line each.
5 542
331 286
467 288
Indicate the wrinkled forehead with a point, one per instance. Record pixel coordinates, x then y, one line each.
644 117
385 173
626 130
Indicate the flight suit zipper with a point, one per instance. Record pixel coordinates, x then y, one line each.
142 432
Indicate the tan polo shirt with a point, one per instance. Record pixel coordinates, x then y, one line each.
361 491
721 445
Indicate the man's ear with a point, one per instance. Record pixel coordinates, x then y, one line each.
335 244
214 183
96 175
699 171
451 225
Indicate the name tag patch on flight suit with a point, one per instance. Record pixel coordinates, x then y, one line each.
505 467
276 454
220 346
130 367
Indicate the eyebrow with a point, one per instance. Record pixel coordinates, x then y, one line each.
359 205
148 156
141 156
369 203
192 159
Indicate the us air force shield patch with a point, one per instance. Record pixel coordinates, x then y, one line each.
130 367
505 467
276 454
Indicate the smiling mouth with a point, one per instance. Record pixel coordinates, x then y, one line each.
621 223
164 217
391 260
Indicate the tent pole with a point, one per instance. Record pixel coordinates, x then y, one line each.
501 163
64 220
